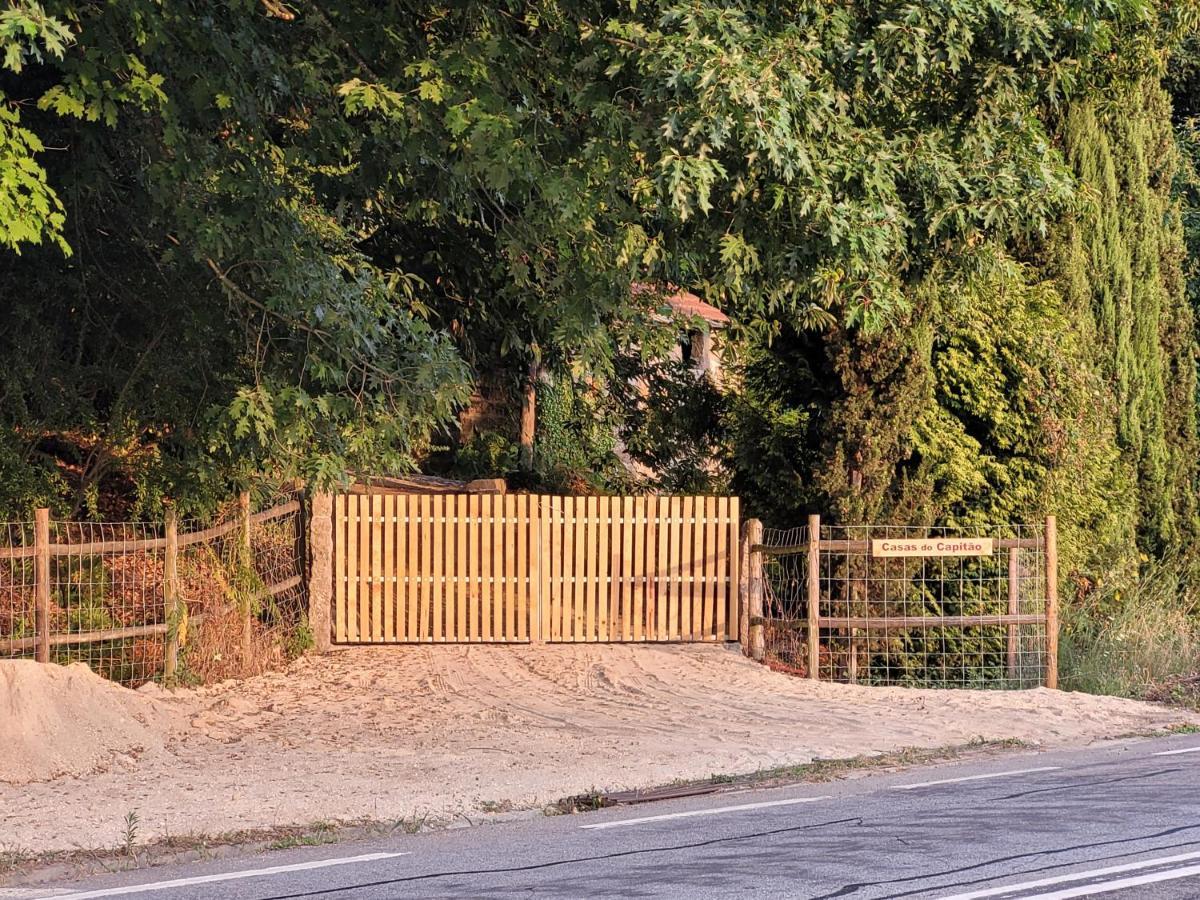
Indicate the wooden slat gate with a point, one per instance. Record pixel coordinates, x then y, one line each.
515 568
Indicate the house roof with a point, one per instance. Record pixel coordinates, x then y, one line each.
687 304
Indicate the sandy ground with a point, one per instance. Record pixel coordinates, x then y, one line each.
440 732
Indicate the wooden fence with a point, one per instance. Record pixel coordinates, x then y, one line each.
1011 583
158 596
515 568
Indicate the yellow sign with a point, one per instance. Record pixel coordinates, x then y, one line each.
958 546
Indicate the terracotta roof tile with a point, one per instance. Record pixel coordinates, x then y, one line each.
688 304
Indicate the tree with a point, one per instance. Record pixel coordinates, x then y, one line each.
217 317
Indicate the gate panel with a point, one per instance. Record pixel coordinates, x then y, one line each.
489 568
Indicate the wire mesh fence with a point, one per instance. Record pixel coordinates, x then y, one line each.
139 601
909 605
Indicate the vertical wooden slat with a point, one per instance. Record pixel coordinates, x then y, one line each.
639 568
661 571
364 567
554 597
509 547
564 557
541 600
592 577
674 601
402 569
687 571
615 569
651 528
376 530
721 569
438 523
523 571
412 585
474 589
339 566
497 568
388 569
708 561
424 587
449 570
603 568
462 587
352 580
627 568
486 555
579 594
734 530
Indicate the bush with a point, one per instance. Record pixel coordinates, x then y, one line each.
488 454
1129 639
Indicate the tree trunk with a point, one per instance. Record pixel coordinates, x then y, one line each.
528 417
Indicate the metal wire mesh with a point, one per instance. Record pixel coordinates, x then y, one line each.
18 622
928 621
97 596
242 606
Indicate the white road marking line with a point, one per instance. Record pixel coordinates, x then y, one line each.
1079 876
703 812
1090 890
223 876
1176 752
921 784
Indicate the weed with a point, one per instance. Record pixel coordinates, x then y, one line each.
579 803
411 824
495 806
316 835
11 857
129 832
1132 640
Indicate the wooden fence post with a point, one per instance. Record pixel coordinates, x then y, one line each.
754 568
814 596
1014 608
171 601
320 577
744 588
248 559
41 581
1051 602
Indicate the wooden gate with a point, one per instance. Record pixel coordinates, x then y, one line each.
514 568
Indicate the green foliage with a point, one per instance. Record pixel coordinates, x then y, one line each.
671 422
1121 263
1033 373
488 454
1132 635
575 444
220 318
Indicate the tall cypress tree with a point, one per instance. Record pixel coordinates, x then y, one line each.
1122 274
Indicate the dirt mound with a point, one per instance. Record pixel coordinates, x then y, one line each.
66 720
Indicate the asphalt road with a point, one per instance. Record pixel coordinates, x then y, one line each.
1122 821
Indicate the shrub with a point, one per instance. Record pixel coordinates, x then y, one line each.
1128 639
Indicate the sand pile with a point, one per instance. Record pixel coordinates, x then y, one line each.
66 720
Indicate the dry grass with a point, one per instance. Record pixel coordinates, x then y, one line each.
1134 641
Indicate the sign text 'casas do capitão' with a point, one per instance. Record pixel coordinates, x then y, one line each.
949 546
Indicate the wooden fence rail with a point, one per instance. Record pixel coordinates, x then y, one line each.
815 623
505 568
43 549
